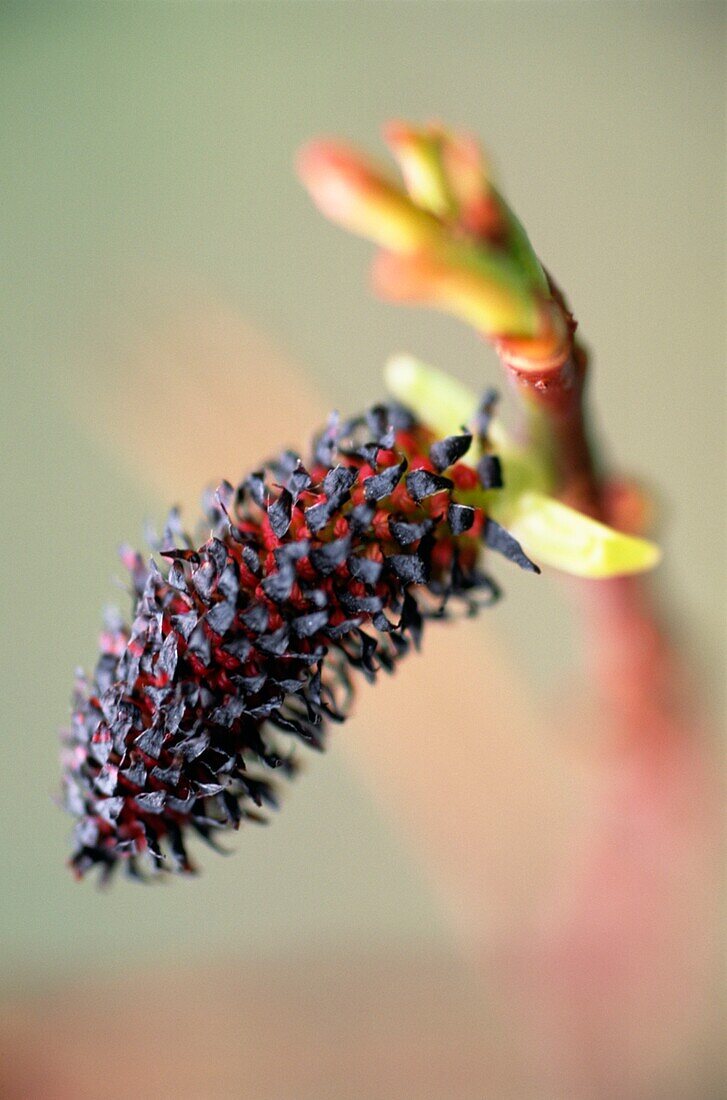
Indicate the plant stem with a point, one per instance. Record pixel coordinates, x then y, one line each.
629 655
552 394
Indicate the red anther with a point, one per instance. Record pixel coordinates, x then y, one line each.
464 477
381 525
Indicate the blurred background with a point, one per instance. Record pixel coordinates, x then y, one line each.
173 309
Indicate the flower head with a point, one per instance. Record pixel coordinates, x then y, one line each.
311 573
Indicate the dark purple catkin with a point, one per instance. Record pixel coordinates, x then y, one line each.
247 643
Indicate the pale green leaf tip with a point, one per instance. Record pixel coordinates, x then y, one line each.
439 400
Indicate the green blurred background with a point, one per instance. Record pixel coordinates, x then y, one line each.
146 170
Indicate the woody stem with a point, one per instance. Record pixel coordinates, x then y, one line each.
552 395
629 656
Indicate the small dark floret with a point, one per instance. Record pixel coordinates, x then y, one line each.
243 645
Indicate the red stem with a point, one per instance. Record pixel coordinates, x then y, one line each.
630 659
553 397
554 403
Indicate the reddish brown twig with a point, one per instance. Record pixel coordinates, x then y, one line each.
552 392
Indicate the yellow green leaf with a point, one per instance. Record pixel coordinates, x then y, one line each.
554 534
550 532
